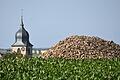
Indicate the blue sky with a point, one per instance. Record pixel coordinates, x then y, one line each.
49 21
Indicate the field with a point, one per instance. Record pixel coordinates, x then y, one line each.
59 69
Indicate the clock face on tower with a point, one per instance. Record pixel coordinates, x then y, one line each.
22 48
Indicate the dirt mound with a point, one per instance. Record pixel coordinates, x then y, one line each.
84 47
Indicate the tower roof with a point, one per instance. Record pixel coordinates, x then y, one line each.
22 36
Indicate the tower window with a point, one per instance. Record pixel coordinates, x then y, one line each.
18 50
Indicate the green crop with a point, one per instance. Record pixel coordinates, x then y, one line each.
59 69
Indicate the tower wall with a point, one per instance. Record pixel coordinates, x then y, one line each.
22 49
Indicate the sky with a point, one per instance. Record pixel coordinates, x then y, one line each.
49 21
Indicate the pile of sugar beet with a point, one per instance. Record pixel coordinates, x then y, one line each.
84 47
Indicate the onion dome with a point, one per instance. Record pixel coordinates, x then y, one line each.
22 36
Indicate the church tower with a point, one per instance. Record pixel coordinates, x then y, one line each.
22 44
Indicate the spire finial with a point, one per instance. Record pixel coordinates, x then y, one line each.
22 18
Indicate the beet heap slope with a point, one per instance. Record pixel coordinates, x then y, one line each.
84 47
